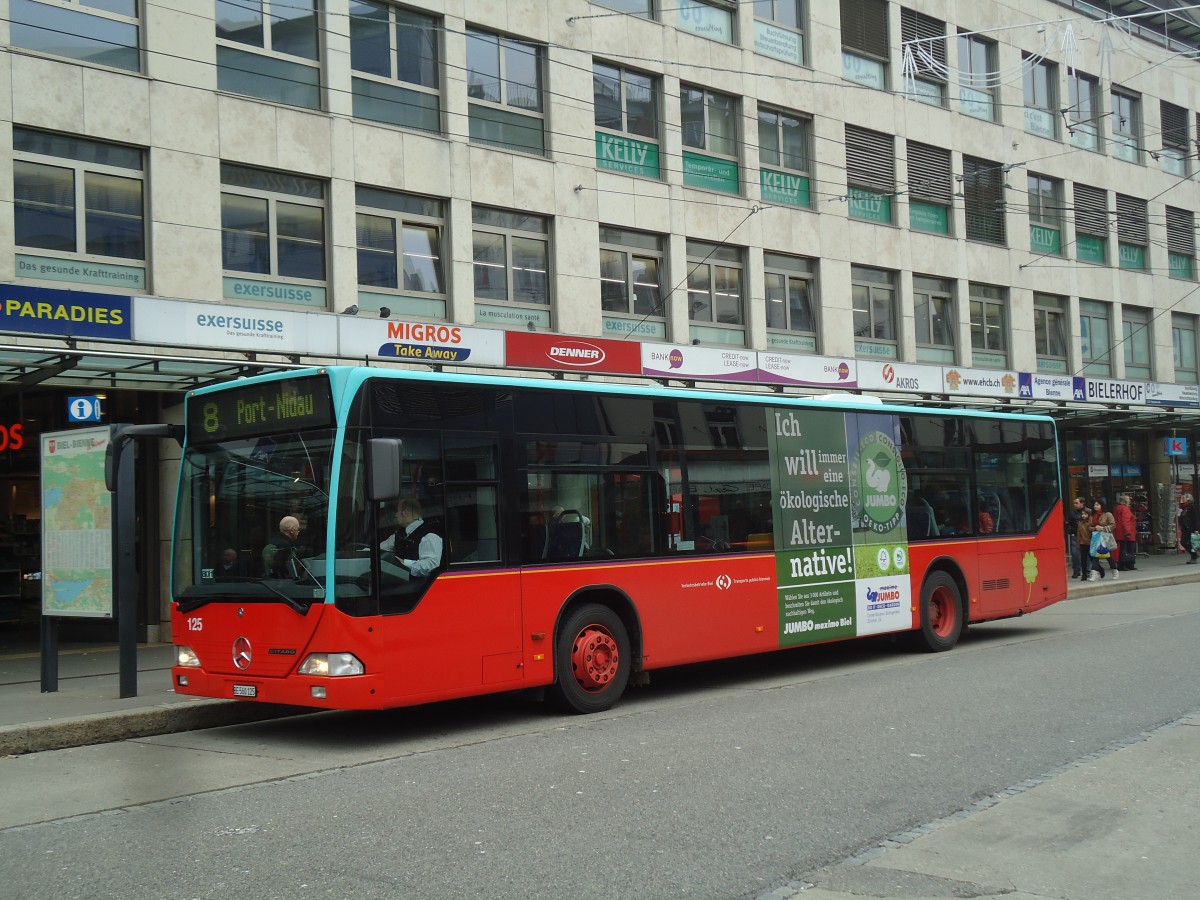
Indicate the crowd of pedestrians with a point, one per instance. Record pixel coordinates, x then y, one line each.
1094 535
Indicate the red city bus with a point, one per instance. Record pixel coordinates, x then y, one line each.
362 538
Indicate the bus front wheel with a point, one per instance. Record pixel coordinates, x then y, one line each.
592 660
941 612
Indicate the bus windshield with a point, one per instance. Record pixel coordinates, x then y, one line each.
252 519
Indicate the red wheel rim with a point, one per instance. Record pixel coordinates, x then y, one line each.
594 658
943 612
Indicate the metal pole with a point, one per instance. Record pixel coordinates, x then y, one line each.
125 582
49 654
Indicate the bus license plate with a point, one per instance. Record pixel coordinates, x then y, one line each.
245 690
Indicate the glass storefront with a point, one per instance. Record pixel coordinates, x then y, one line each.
1102 465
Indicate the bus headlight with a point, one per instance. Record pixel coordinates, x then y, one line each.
186 656
332 664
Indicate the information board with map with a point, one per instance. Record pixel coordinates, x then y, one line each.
77 569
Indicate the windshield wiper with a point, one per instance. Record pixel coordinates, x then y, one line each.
186 606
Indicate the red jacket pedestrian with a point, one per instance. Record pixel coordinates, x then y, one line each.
1126 529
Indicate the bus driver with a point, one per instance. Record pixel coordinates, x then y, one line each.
415 545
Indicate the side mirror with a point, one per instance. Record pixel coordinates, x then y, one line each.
384 456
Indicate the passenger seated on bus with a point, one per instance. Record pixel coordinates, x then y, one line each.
279 554
952 523
415 545
568 528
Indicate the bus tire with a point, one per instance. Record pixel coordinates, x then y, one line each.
941 613
592 660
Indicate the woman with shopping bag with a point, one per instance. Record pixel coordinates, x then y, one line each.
1084 537
1103 544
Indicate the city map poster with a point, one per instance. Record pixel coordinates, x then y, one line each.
77 565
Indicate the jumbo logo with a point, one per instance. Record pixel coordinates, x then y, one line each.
576 353
887 595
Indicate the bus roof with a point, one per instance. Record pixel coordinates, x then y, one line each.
346 378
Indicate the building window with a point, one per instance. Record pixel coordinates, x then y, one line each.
511 254
1181 243
78 199
1095 334
708 120
929 188
989 326
779 29
865 42
709 123
626 112
273 223
933 309
631 274
644 8
1091 224
1135 331
394 54
1041 97
715 292
870 174
1083 122
268 49
1133 232
791 302
983 188
1183 345
504 88
1050 333
1045 215
399 238
784 156
873 294
923 45
712 19
101 32
977 77
1174 153
1126 127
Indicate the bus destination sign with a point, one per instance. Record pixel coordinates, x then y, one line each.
258 409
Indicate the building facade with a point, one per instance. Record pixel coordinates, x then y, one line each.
864 194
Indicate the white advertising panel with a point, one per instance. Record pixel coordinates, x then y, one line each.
432 343
1115 393
979 382
220 326
807 371
702 363
1160 393
890 376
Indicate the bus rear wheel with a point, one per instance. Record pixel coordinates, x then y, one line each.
941 612
592 660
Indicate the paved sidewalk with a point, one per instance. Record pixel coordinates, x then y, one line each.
1118 824
87 708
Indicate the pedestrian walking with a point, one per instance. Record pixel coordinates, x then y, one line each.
1083 537
1077 567
1189 526
1104 524
1126 535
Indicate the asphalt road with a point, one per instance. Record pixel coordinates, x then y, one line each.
725 780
